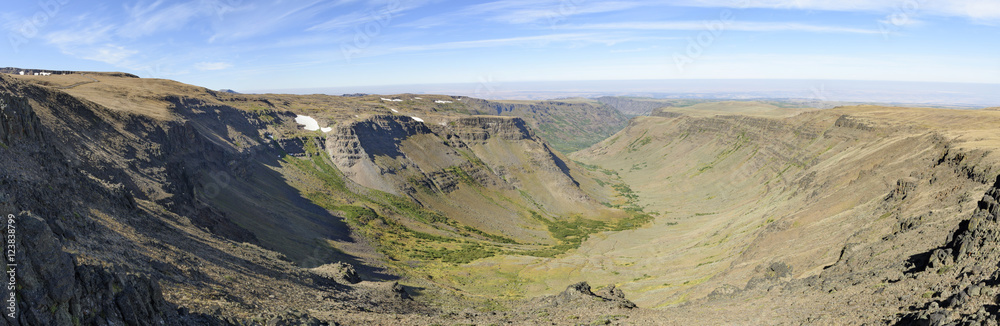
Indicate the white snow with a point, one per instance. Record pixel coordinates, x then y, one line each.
394 110
392 99
417 98
309 123
417 119
443 102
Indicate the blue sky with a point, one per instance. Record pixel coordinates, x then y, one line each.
253 45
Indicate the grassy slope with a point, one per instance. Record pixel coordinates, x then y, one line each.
737 192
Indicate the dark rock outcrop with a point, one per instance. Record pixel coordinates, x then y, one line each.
580 295
339 271
53 289
17 121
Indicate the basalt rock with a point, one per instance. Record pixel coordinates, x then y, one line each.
580 295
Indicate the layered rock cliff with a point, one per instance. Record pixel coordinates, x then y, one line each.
438 164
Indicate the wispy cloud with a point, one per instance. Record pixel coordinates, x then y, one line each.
155 17
91 42
159 16
271 18
733 26
981 11
91 34
539 40
524 12
210 66
560 11
380 11
111 54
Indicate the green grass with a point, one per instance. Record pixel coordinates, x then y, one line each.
462 175
384 217
497 238
464 255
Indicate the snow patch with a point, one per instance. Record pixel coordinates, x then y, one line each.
417 119
417 98
308 123
443 102
394 110
392 99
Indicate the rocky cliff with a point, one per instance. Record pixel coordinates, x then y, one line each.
462 163
41 194
567 125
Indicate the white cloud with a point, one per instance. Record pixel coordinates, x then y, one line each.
980 11
91 43
267 18
108 53
525 11
206 66
561 11
525 40
382 13
146 20
731 26
95 33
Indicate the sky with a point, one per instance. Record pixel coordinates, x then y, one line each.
251 45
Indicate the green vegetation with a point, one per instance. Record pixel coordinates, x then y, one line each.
741 141
464 255
497 238
428 242
589 167
639 142
571 233
462 175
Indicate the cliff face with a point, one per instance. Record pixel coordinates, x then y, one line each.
354 147
127 219
633 107
464 163
41 192
17 121
567 126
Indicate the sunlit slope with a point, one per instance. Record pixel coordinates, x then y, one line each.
736 192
